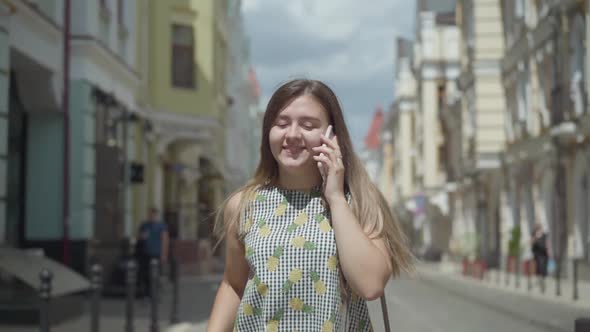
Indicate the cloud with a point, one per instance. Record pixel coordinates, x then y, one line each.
250 5
346 43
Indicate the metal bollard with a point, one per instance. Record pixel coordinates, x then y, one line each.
154 284
507 278
174 307
529 281
558 277
45 294
96 286
575 290
518 267
130 279
582 325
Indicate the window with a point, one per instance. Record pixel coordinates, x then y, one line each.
105 12
519 8
441 96
121 12
183 49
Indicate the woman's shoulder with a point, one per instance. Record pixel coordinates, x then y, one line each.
249 194
232 206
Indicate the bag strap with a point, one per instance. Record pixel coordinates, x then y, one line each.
385 315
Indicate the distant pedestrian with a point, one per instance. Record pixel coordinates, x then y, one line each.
540 249
310 238
153 244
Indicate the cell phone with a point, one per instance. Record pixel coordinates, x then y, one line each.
327 134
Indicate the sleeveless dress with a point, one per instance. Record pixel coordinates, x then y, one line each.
294 282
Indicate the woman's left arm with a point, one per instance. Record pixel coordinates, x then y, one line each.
364 260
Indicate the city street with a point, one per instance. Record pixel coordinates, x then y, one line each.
430 302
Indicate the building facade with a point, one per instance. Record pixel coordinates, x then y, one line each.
544 76
499 142
436 68
56 150
145 124
183 105
402 124
480 114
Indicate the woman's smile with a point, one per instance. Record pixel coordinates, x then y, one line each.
293 151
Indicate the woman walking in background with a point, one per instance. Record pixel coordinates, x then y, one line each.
309 239
540 249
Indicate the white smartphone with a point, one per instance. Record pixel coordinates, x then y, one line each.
328 134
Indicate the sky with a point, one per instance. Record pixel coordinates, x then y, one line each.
348 44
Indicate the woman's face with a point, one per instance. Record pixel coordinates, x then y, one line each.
296 130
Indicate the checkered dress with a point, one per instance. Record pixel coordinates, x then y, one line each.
294 283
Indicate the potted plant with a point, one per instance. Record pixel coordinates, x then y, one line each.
513 248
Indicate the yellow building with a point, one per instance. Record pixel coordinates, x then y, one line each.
182 50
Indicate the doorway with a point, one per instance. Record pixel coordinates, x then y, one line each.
16 168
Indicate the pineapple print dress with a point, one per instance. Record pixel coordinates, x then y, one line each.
294 283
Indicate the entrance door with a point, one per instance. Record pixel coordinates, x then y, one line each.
16 168
109 222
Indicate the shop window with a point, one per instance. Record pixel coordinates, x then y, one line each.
183 51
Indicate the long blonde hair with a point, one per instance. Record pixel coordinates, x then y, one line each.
368 204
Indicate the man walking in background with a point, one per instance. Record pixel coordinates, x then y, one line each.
153 244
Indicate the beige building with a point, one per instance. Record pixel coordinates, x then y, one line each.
544 77
475 132
426 71
401 122
436 67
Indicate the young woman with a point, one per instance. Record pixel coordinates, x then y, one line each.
540 248
304 251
